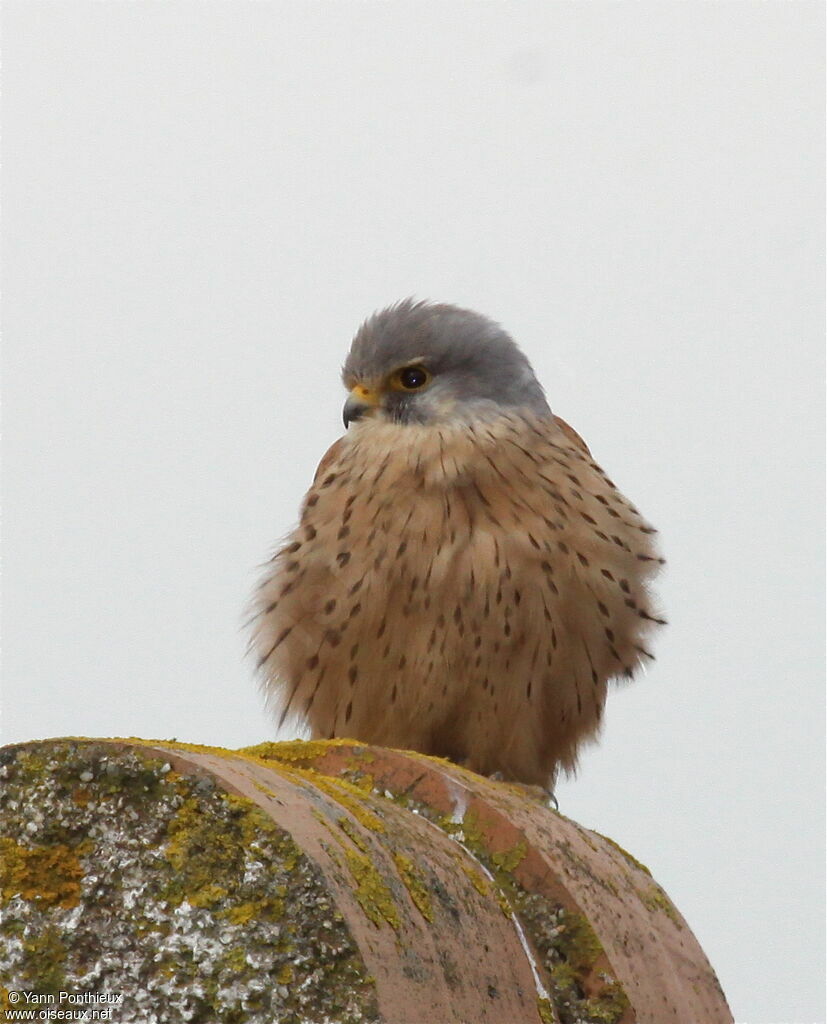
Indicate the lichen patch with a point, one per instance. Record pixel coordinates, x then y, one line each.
122 875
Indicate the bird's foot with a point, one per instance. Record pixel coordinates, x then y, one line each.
538 793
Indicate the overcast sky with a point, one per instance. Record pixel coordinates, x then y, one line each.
202 202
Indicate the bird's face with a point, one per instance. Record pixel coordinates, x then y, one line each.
399 396
433 364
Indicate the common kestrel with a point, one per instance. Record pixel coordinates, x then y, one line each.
465 579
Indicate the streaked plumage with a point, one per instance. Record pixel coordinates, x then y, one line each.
465 579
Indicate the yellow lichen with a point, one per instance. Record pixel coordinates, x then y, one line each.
344 793
235 960
581 949
656 899
47 875
209 864
361 756
546 1012
349 829
181 861
199 853
414 884
610 1005
578 943
626 854
46 956
372 893
502 864
502 902
241 913
476 878
296 750
361 780
471 831
508 860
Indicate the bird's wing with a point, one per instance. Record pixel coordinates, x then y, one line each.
572 435
330 457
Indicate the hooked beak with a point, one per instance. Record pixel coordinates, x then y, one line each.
360 402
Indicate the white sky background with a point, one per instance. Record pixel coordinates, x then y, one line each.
203 201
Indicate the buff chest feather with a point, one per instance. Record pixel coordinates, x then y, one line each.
464 589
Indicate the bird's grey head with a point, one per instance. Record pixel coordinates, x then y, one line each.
419 362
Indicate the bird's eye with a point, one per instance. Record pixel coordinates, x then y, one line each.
412 378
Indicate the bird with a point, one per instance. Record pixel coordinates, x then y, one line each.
465 580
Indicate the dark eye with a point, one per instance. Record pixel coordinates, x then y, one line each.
413 377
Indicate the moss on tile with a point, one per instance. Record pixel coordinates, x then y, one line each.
46 875
546 1011
565 944
625 853
195 905
372 893
298 752
415 884
655 899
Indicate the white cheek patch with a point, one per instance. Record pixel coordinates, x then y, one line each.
442 405
437 402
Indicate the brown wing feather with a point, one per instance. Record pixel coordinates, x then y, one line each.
572 435
329 457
